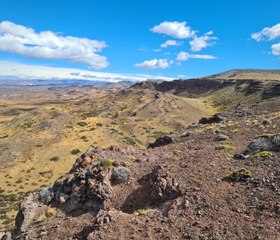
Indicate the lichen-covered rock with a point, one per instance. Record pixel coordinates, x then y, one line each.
269 142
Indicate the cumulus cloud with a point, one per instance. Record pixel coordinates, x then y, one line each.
174 29
202 42
276 49
154 63
48 45
184 56
270 33
171 43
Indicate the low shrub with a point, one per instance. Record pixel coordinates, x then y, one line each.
263 154
241 173
140 212
50 212
224 147
55 158
82 124
105 163
120 175
75 151
46 195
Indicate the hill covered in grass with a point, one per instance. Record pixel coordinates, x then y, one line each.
39 143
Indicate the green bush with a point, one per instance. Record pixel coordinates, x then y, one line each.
82 124
99 124
105 163
55 158
75 151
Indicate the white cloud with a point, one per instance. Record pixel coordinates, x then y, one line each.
174 29
157 50
171 43
270 33
182 76
202 42
18 71
184 56
48 45
154 63
167 53
276 49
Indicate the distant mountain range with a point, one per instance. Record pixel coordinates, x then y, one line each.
60 82
235 72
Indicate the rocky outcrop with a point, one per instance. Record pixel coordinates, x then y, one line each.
269 142
162 141
165 186
214 119
27 212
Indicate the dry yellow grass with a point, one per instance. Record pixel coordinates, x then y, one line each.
258 76
31 138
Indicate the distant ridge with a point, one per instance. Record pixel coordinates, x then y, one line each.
235 72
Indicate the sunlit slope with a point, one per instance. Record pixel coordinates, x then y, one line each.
258 76
140 114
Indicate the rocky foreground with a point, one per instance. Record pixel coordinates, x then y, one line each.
217 179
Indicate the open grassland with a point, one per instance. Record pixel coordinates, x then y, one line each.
37 138
257 76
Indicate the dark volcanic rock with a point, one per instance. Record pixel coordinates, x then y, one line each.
165 187
263 143
214 119
162 141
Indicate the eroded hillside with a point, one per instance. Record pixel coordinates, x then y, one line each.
198 185
39 144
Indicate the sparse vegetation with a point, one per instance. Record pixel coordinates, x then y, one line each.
82 124
224 147
128 164
41 218
239 174
50 212
140 212
263 154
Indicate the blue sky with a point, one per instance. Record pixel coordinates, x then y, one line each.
140 39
